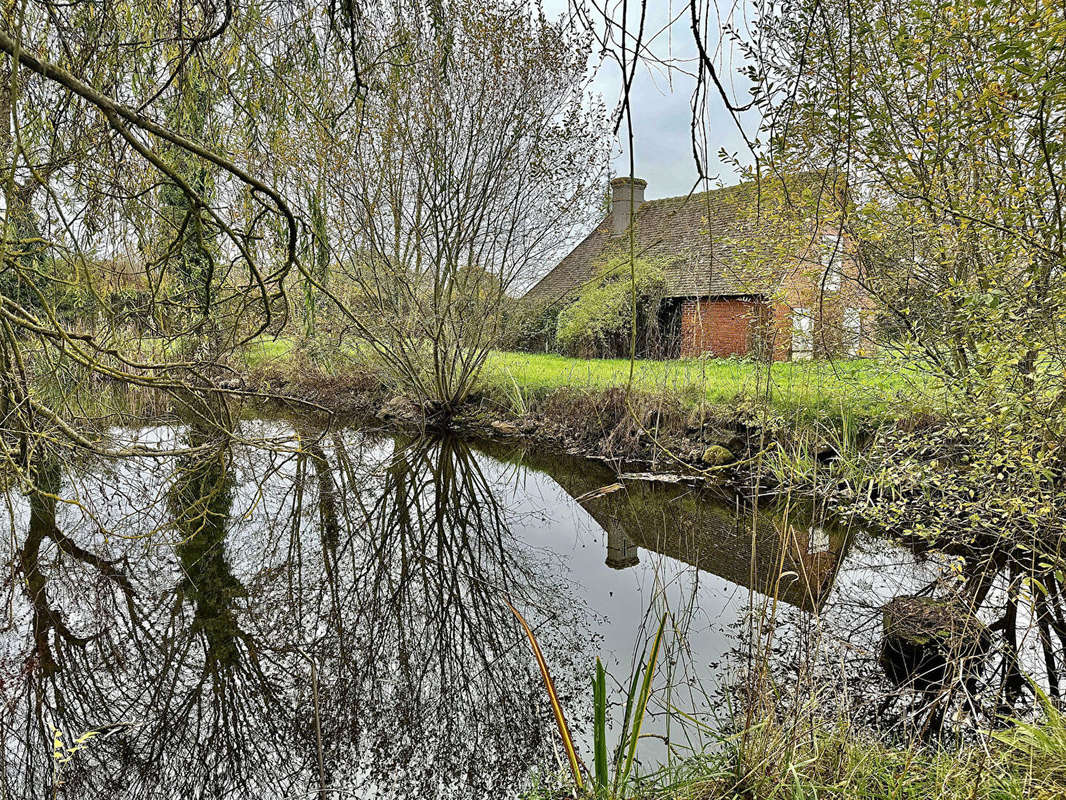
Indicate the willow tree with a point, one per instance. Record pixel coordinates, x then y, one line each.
139 156
472 163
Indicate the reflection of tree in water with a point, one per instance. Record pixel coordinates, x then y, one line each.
32 678
173 660
200 501
231 698
48 622
1018 598
390 581
954 642
435 679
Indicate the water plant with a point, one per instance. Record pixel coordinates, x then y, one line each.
610 778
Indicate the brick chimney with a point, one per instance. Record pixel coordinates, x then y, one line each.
627 196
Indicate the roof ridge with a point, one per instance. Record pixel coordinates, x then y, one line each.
694 195
772 179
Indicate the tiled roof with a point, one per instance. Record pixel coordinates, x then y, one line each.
692 235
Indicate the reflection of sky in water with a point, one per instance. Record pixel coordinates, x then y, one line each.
425 684
624 605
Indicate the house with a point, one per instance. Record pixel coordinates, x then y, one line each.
746 273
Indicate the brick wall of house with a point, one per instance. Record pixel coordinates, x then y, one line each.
803 286
781 332
741 327
733 327
721 327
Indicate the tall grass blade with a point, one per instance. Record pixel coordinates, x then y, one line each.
1043 743
518 400
641 707
595 493
557 709
627 718
599 728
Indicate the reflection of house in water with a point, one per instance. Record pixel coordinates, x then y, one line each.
621 552
790 559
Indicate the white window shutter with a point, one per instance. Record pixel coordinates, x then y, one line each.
802 334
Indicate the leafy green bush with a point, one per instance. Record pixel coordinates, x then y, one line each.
599 322
529 326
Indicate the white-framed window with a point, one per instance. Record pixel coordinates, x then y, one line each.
831 262
853 331
802 334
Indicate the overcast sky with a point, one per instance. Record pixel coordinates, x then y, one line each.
661 102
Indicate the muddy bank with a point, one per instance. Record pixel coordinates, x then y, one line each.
714 444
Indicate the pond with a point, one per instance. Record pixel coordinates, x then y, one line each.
295 611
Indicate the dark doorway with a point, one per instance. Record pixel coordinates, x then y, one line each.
669 344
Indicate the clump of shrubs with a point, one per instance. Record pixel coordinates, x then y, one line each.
599 321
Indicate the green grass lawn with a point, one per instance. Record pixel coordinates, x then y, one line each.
858 387
268 352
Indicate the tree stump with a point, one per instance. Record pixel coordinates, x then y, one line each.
929 643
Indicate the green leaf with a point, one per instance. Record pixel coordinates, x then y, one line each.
642 705
599 727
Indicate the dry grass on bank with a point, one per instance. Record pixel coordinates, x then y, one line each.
778 764
775 760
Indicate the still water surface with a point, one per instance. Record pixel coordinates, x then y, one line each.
327 616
